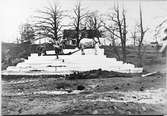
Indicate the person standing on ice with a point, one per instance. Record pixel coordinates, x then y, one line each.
81 46
57 48
96 46
82 49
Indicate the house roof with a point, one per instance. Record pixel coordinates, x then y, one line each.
85 33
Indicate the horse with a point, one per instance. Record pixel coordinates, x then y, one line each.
41 50
87 43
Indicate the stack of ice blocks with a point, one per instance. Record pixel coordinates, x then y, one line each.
69 63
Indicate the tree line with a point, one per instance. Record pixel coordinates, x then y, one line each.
49 24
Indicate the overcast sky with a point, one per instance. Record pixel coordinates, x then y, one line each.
16 12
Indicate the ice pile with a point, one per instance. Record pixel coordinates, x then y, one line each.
67 64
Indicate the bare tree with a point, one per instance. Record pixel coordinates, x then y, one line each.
94 22
134 37
123 40
113 37
27 33
49 22
112 30
79 16
140 39
120 27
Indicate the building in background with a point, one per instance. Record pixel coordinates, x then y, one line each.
71 35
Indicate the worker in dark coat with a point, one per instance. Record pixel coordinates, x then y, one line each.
57 48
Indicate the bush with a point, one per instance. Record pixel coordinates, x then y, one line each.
13 54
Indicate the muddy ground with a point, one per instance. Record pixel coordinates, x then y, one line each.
115 95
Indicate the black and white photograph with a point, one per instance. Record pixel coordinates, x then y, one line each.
83 57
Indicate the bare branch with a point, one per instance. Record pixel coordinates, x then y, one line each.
79 16
110 30
49 22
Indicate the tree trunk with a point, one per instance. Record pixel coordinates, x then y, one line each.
116 52
124 52
139 56
124 36
78 43
77 30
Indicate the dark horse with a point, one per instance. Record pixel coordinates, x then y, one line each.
41 50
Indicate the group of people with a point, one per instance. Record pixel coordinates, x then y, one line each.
59 45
